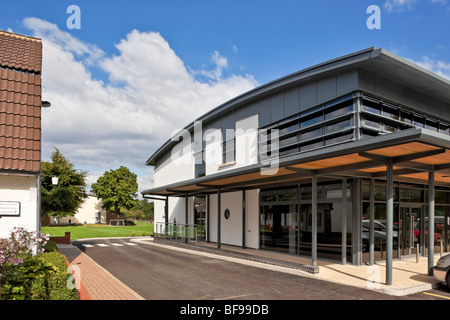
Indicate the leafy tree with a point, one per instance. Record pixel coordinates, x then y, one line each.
65 198
143 210
117 189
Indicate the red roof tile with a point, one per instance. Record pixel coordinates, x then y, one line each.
20 52
20 102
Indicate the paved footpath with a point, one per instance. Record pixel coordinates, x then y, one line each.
97 282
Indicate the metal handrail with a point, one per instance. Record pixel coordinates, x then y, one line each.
176 231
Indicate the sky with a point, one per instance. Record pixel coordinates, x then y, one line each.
122 76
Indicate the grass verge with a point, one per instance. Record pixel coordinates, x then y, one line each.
100 231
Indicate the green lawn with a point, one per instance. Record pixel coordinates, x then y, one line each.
99 231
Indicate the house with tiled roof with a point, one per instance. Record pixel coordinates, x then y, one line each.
20 132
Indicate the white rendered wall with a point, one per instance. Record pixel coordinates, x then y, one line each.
171 172
231 229
246 131
24 190
86 212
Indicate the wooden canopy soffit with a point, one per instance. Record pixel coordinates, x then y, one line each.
411 162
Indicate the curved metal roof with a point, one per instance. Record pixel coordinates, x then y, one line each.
372 59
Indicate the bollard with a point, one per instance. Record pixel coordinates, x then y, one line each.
441 251
417 253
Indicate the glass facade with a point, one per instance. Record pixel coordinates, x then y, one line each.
381 117
323 125
286 212
286 216
410 219
286 220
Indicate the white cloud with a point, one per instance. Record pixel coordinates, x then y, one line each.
405 5
439 67
220 62
150 93
399 5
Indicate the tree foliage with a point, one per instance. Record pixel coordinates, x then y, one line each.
67 197
117 189
143 210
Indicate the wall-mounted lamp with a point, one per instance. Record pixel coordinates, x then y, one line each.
46 104
55 180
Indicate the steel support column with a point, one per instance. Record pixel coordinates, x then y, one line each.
372 222
219 216
344 222
243 219
314 221
389 220
207 218
166 211
186 210
431 221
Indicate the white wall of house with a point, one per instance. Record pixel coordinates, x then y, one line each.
22 189
86 213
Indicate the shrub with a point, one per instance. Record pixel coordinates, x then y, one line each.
24 276
42 277
19 281
50 246
57 285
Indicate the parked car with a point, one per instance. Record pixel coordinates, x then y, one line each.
442 270
379 235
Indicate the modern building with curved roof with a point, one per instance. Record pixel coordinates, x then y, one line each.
311 163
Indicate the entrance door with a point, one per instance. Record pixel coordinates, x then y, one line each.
407 229
279 227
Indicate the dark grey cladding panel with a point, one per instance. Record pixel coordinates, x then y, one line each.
277 107
308 95
326 89
251 109
292 101
346 82
264 112
402 94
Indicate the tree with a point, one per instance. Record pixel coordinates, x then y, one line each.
117 189
143 210
65 198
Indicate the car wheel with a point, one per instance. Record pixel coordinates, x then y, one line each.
365 246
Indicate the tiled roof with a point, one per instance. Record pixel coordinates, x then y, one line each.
20 102
20 52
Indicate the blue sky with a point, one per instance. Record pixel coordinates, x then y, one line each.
112 82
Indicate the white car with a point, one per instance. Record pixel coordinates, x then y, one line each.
442 270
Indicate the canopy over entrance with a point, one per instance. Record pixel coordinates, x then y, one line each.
413 152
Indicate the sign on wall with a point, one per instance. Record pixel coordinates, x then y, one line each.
9 208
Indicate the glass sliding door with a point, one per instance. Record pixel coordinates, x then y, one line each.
279 227
286 220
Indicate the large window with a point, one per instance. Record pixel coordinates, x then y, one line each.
323 125
381 117
286 220
410 218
